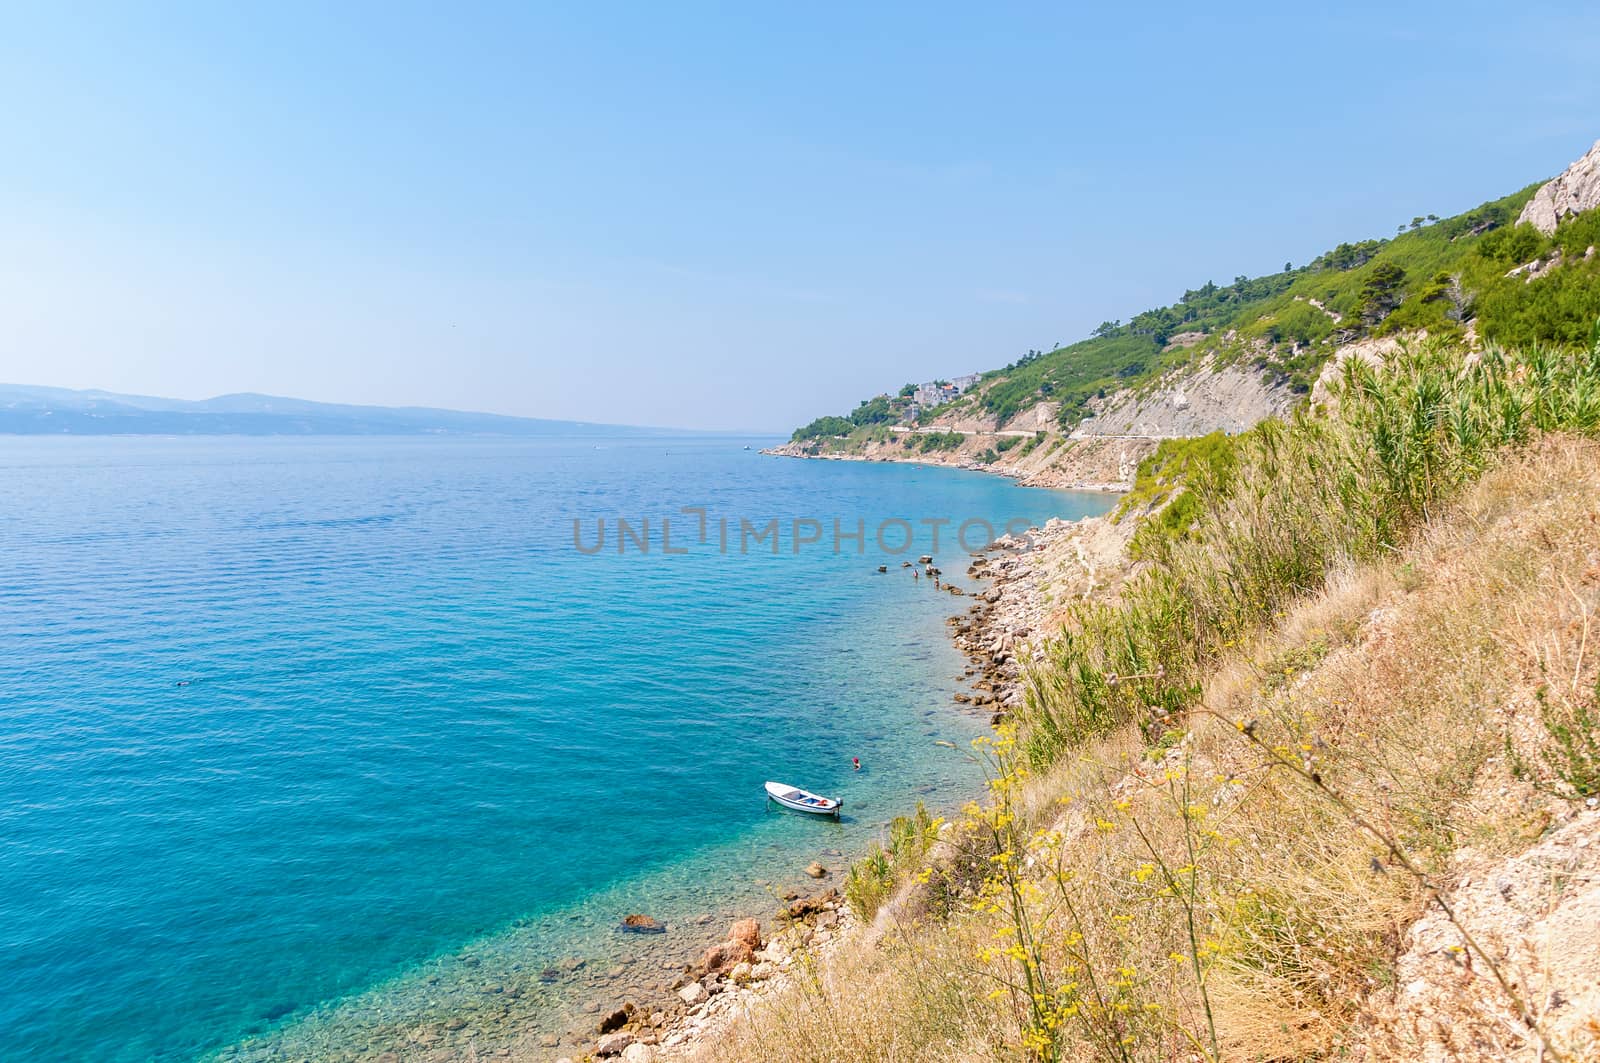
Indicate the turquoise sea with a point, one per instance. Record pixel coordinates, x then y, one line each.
325 748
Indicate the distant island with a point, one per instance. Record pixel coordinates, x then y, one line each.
26 410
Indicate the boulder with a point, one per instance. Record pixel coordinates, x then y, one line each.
719 958
612 1044
638 1053
747 931
617 1019
741 972
693 993
816 870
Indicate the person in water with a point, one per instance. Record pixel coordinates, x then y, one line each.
857 762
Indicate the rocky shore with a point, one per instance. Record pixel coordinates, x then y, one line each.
1089 465
1033 579
723 983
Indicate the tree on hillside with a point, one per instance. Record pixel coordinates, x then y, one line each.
1380 294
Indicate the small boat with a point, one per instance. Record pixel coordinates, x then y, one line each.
803 800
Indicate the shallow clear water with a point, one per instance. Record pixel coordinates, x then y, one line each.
307 746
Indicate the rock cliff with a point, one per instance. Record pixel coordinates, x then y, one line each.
1573 191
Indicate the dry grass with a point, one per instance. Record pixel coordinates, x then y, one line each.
1259 875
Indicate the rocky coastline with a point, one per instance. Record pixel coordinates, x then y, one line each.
724 982
1033 579
1072 476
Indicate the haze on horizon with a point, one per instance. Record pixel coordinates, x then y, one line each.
711 217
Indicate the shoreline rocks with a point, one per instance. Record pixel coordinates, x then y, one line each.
1033 579
728 977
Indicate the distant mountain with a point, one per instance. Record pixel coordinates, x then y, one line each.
26 410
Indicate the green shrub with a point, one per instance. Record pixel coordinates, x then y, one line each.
873 879
939 441
823 426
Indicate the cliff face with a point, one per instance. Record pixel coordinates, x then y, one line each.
1103 452
1573 191
1194 402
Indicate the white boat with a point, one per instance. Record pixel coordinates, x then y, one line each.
803 800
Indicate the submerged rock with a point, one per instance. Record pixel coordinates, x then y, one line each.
639 923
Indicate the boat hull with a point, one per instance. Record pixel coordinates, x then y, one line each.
798 800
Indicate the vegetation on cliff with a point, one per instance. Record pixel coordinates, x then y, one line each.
1438 275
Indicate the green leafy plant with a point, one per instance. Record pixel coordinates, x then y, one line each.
1571 756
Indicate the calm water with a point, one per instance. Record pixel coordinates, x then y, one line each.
305 744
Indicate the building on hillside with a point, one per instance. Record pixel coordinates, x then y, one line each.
936 393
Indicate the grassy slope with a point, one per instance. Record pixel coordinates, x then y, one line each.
1437 277
1233 790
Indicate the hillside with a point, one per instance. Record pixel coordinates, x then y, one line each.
1223 357
1316 778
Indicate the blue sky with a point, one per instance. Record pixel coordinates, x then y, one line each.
722 216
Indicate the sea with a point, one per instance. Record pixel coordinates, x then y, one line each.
340 748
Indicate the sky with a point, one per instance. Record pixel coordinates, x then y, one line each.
724 216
